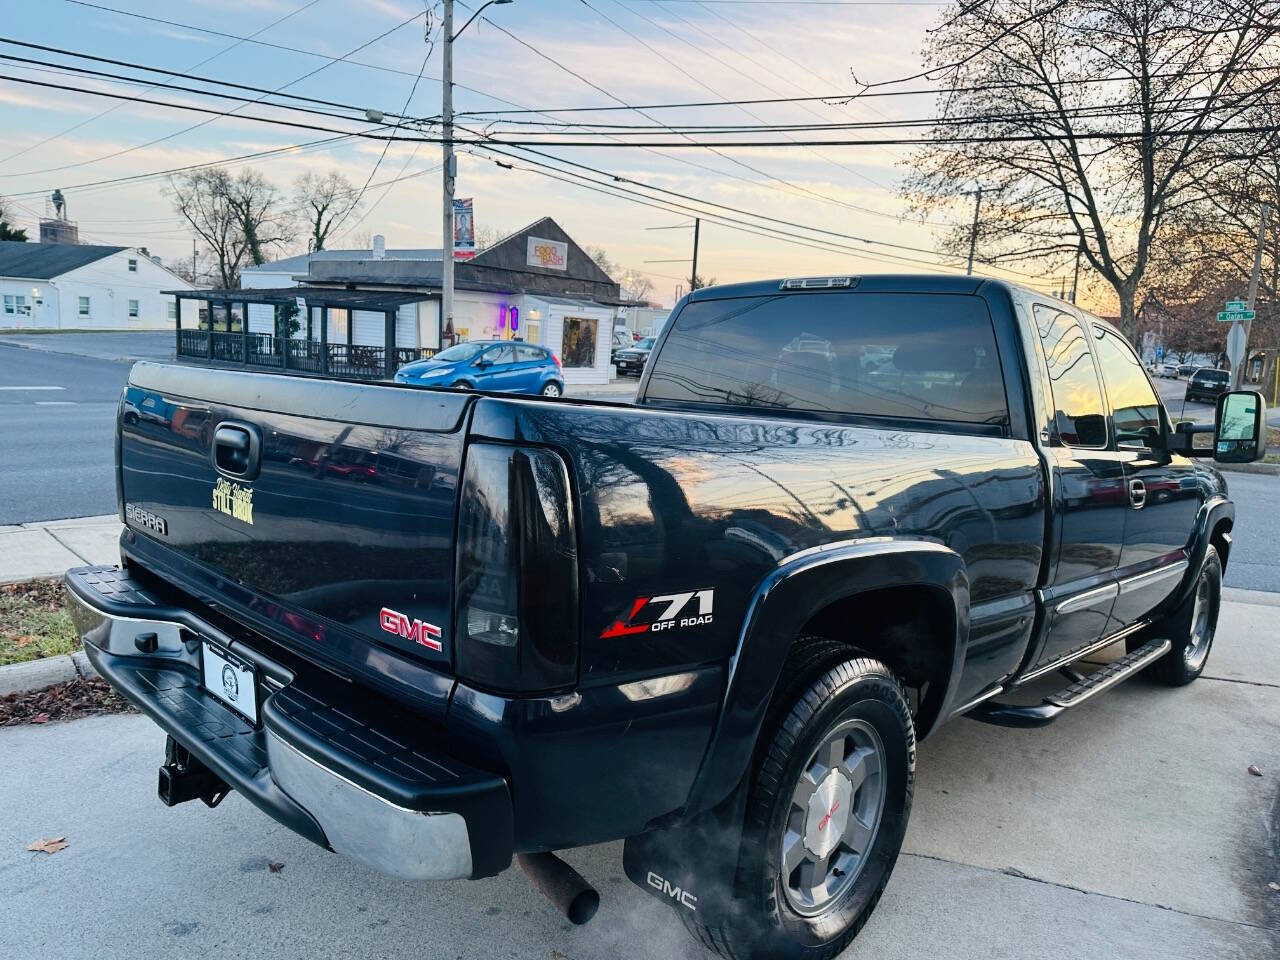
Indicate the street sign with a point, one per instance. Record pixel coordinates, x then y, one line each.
1237 305
1231 316
1235 345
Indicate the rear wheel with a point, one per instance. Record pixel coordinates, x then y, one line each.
830 795
1190 627
552 389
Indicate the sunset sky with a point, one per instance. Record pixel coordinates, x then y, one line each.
653 51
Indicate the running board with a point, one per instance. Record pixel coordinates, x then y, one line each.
1047 710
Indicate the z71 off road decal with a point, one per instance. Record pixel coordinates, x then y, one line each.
671 611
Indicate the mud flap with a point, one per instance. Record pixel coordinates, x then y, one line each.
691 864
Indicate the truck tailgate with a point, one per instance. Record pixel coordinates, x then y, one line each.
342 532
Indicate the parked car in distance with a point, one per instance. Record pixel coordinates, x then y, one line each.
1186 369
1167 371
506 366
622 340
633 359
1208 384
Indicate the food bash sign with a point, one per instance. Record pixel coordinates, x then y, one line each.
550 254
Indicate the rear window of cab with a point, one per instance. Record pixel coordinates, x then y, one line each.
909 356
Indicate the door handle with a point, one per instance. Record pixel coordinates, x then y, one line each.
237 450
1137 494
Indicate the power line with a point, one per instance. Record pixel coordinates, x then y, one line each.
64 69
847 96
210 59
614 178
134 65
687 143
202 123
387 145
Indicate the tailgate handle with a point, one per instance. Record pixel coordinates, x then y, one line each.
237 450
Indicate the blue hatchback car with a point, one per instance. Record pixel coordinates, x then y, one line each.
504 365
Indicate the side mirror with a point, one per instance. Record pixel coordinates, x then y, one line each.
1239 431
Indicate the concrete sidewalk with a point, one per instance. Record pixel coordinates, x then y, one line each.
50 547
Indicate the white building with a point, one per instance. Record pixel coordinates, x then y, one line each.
78 286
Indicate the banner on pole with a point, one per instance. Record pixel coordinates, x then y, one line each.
464 229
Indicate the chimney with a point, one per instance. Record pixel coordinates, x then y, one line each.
379 247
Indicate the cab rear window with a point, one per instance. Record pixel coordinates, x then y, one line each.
907 356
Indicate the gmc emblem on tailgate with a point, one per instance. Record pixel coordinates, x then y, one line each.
427 634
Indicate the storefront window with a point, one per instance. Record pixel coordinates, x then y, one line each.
578 345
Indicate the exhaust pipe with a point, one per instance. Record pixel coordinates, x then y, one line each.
562 885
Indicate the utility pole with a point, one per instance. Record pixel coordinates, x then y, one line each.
973 233
449 167
193 261
449 174
693 276
1076 280
1237 374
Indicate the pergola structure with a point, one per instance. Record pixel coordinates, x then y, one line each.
310 352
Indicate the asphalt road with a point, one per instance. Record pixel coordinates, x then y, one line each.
57 415
1128 829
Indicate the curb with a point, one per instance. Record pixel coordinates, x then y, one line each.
39 674
1265 469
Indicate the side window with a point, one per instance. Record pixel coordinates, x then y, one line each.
503 354
529 354
1134 406
1079 415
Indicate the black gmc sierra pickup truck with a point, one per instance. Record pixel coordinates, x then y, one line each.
435 630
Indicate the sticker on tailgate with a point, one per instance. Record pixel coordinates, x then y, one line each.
233 500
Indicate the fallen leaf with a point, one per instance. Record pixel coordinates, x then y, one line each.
24 641
48 845
1253 769
275 867
44 718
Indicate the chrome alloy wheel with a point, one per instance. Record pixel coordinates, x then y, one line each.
1197 648
834 816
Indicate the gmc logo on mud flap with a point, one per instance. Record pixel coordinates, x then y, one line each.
683 897
667 612
427 634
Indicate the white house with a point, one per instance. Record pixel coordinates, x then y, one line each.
78 286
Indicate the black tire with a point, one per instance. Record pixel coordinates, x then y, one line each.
1191 627
552 389
461 385
822 691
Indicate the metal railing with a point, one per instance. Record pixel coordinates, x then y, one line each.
357 360
265 350
193 343
228 347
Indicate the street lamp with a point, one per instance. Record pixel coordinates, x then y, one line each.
450 164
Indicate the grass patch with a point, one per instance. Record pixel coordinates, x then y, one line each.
34 622
1273 436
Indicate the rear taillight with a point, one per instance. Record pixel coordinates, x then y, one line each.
516 606
556 358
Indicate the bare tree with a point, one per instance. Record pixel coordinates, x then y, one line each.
635 286
201 197
1086 122
487 236
262 213
321 202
